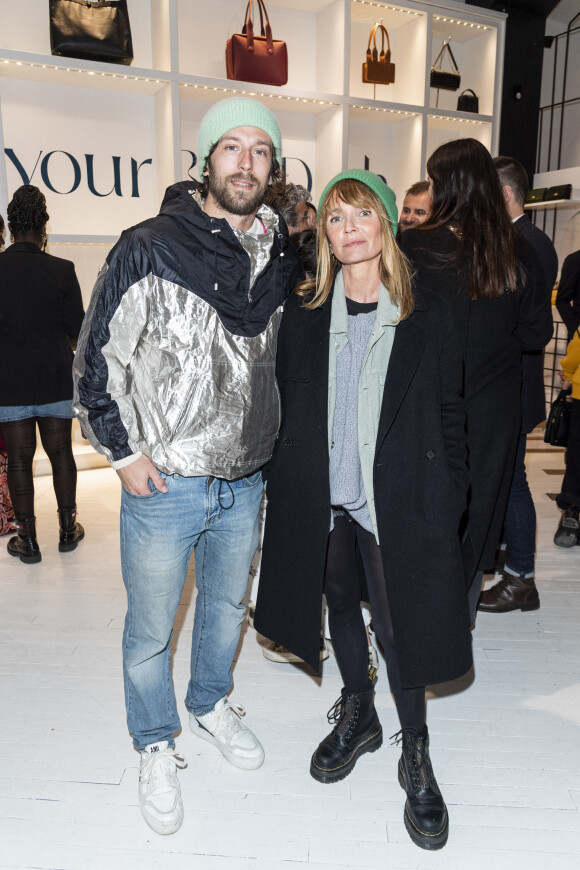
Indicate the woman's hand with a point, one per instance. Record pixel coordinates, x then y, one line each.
564 384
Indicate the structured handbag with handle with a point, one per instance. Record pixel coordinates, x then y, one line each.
558 422
468 101
261 59
378 69
446 80
91 30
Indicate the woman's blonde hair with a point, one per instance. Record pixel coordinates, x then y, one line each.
394 270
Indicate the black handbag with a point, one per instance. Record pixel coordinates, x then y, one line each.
558 191
558 422
536 194
468 101
91 30
443 79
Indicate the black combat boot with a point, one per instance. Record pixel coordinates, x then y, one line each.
425 815
71 532
24 545
356 730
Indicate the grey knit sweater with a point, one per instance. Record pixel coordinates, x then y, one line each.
346 482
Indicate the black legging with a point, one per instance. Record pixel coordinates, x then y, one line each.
342 587
20 439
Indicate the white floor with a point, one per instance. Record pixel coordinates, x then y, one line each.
505 743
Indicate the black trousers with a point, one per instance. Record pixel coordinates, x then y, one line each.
349 545
570 494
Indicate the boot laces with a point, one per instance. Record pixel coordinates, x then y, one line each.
344 714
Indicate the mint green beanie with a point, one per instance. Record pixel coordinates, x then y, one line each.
376 184
235 112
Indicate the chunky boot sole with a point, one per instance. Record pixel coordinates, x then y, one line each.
566 537
431 842
369 744
28 560
66 548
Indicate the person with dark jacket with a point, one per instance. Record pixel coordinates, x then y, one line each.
175 384
41 311
370 462
568 295
469 254
517 588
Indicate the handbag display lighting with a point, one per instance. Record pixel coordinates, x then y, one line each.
468 101
559 191
558 422
446 80
261 59
91 31
378 69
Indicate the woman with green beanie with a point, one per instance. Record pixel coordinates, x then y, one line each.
366 489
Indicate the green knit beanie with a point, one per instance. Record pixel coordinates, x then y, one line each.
235 112
384 193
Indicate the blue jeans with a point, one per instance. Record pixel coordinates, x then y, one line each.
219 520
519 530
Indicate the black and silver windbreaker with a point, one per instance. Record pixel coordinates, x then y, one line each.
176 356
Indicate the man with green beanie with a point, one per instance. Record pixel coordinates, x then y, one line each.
175 384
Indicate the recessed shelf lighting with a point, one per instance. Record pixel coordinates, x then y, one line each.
457 21
388 7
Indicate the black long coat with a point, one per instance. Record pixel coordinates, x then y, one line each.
420 485
496 332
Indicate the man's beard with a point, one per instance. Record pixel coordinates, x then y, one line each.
236 201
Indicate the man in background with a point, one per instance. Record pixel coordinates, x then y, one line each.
416 206
517 589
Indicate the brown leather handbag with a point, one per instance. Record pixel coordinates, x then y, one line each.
378 69
261 59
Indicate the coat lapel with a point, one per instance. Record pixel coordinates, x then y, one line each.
408 347
317 338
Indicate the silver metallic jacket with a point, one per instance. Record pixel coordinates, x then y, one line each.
176 356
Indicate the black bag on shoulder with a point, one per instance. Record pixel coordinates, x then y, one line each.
87 30
558 422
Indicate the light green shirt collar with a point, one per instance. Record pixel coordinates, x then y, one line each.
388 313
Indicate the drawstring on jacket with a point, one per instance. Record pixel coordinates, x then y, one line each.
215 257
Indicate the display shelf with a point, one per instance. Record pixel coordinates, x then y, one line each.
52 70
557 203
207 90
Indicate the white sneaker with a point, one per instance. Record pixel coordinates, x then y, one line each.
275 652
223 727
159 792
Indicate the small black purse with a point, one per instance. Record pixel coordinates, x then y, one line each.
444 79
468 101
87 30
558 422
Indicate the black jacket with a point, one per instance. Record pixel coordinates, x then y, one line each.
568 298
533 392
41 307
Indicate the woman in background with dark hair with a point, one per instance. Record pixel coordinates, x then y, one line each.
468 252
41 310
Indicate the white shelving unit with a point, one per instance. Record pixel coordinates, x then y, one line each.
329 118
